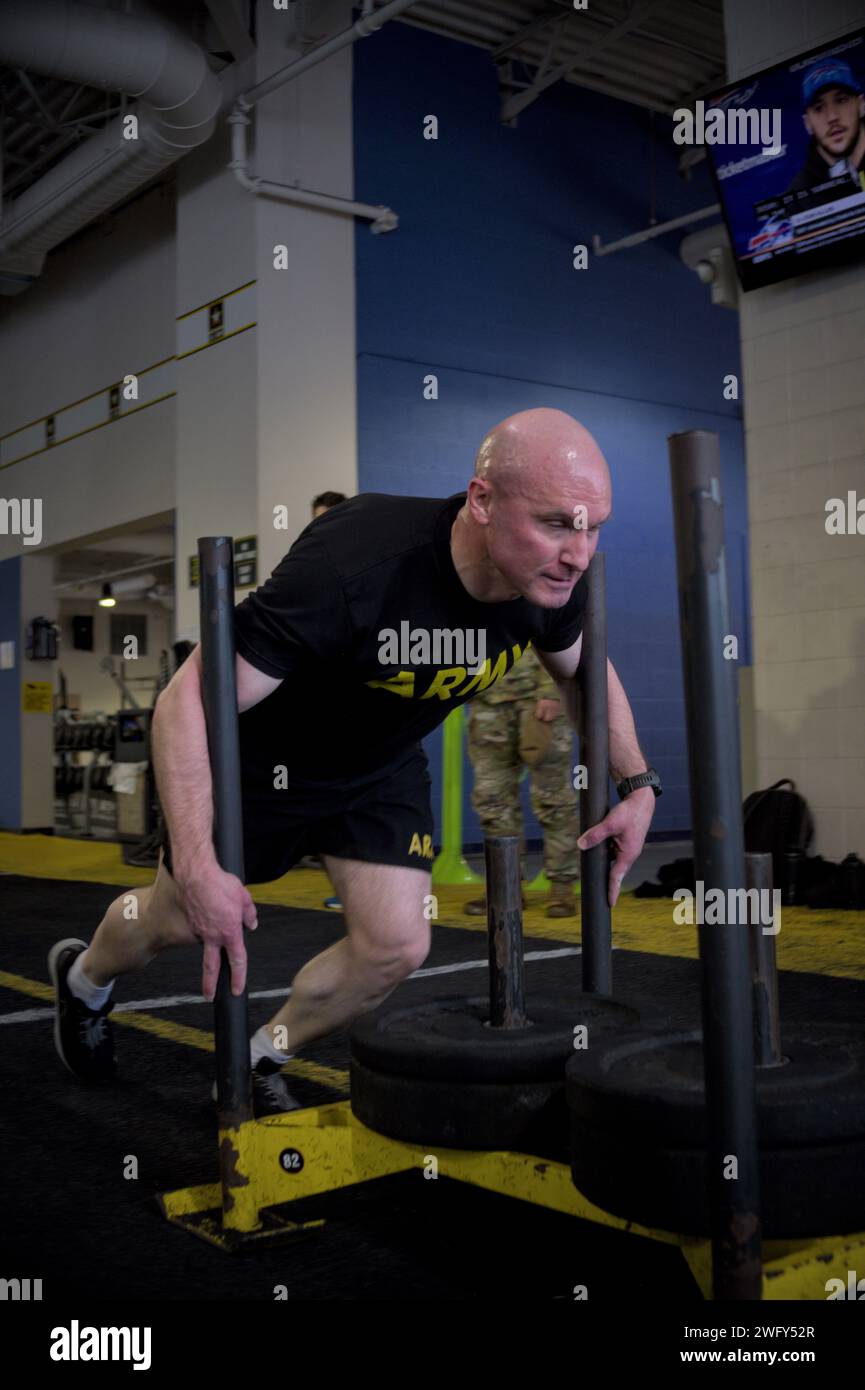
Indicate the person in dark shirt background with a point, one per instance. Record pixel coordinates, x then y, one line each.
324 501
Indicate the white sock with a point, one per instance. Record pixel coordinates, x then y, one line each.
260 1045
94 996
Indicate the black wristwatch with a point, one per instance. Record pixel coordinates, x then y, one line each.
649 778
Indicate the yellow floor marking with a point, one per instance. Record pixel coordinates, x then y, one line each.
165 1028
317 1071
334 1077
322 1075
33 988
821 942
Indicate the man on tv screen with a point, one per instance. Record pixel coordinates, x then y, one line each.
833 116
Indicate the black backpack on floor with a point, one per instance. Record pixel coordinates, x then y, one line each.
777 822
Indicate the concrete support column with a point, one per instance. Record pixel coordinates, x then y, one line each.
803 364
266 406
307 416
216 299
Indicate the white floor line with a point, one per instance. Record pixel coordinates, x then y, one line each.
175 1000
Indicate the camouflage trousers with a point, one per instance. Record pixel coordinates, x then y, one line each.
498 735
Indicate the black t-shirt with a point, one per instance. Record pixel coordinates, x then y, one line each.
376 641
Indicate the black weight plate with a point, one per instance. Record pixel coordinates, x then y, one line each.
813 1190
649 1084
449 1039
520 1116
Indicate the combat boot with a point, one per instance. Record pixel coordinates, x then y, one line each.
562 900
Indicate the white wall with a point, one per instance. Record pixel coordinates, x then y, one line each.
307 409
264 419
803 357
216 449
215 220
103 308
96 691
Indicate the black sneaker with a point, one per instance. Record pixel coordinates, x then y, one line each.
270 1094
83 1037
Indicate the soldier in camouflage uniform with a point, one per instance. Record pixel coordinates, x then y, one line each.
518 722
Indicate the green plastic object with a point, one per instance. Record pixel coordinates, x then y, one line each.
541 884
449 865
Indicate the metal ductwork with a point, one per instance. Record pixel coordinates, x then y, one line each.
178 100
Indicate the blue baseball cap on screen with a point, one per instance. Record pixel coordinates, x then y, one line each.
830 72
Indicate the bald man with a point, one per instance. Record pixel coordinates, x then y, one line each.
386 614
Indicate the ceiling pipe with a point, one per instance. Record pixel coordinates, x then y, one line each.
368 23
144 57
660 229
383 219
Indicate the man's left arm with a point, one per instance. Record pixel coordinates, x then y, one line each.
628 822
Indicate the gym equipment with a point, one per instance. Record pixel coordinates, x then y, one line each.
85 805
266 1165
240 1216
124 682
518 1060
597 931
478 1073
665 1124
219 694
639 1127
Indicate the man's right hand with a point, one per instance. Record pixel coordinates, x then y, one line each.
218 907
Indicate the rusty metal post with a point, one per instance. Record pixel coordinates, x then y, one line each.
719 858
764 970
219 695
595 914
505 931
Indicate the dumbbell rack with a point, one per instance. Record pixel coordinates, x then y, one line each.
84 804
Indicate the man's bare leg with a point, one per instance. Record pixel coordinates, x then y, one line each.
388 937
137 925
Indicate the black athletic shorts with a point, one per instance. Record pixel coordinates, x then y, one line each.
382 820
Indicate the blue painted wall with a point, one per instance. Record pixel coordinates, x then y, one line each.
10 697
477 286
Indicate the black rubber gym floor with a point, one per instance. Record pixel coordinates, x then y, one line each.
71 1218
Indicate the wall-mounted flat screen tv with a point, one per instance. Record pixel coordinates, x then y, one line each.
787 149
